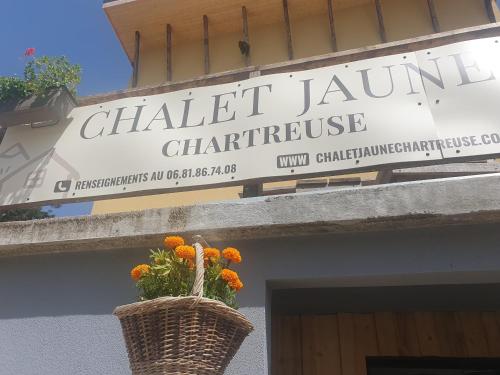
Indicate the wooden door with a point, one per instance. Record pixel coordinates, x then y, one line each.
339 344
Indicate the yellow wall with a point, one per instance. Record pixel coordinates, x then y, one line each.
152 66
268 43
225 53
417 20
165 200
187 60
355 27
310 36
453 14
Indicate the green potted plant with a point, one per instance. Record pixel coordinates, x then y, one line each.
43 96
186 320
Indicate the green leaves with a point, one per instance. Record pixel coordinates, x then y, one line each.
22 214
216 288
45 73
41 75
13 88
170 275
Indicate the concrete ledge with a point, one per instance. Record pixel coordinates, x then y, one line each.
453 201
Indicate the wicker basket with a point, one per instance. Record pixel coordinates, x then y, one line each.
182 335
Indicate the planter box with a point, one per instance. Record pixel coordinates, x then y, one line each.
37 111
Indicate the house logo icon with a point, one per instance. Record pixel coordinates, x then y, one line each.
62 186
24 174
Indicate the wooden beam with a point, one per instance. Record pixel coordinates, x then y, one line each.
169 53
288 30
434 18
246 39
206 52
331 22
381 26
135 65
489 11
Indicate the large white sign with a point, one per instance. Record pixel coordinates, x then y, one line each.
421 107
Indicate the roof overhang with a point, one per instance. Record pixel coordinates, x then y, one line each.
150 17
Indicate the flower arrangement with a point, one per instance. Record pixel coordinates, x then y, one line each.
41 74
170 335
172 271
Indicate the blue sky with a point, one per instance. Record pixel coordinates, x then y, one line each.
77 29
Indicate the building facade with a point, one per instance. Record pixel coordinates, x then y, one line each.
384 271
308 34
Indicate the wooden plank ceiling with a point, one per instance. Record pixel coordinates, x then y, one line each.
150 17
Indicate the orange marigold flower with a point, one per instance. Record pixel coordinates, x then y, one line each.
229 275
173 241
211 253
230 253
236 285
138 271
185 252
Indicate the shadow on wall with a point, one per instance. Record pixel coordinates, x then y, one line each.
318 301
83 283
94 283
67 284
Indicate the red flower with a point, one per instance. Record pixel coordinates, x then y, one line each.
29 52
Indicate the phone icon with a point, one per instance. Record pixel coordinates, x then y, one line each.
62 186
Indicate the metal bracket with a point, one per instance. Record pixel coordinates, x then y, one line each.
43 124
254 190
